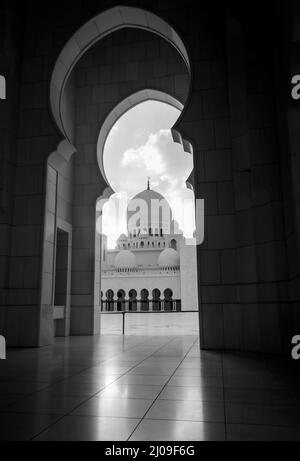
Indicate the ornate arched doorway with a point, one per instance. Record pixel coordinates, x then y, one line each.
86 192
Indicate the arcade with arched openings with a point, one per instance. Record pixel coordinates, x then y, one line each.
144 301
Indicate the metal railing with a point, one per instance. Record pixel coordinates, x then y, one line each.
141 305
124 313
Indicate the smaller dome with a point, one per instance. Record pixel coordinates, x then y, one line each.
125 259
122 238
169 257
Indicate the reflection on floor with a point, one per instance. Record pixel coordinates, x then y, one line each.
154 388
149 324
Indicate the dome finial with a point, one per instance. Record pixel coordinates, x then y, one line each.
148 185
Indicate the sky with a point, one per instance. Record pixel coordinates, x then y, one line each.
139 146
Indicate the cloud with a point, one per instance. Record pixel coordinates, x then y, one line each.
143 152
149 155
170 181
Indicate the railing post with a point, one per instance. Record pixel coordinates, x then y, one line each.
123 326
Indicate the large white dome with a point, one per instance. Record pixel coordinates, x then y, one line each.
169 257
153 212
125 259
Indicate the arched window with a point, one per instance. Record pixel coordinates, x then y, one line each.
156 301
121 300
145 300
110 300
142 244
173 244
132 303
168 301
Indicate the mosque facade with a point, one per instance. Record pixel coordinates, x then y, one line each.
153 267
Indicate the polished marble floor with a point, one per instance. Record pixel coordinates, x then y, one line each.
146 388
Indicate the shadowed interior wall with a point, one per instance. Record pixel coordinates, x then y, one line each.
290 131
10 64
